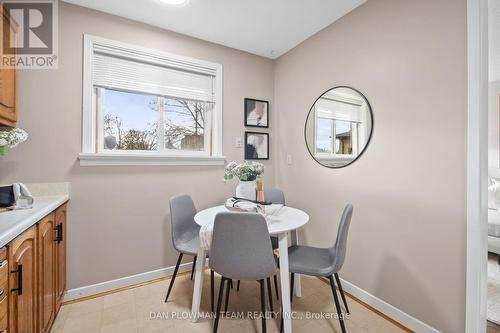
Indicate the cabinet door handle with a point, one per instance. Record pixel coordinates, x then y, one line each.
19 272
56 239
60 233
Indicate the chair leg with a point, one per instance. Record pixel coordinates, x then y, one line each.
276 287
173 276
263 306
281 320
342 292
270 296
337 304
219 303
228 290
192 269
238 286
291 287
212 282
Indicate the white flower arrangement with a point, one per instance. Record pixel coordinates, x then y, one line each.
11 139
246 171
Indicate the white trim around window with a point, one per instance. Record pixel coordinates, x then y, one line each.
135 158
92 152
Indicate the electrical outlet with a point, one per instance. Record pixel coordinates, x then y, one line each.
289 159
237 142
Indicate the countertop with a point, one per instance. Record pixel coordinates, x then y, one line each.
13 223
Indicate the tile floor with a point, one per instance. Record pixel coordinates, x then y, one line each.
132 311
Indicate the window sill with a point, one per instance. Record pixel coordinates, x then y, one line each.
334 158
95 159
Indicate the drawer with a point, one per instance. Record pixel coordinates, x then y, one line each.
3 324
4 290
3 253
4 272
3 312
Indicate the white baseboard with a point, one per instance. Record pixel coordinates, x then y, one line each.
123 282
390 311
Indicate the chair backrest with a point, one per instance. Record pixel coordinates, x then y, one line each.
182 212
241 247
274 195
338 250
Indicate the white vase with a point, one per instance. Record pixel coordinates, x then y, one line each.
246 190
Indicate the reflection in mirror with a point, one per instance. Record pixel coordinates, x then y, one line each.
338 127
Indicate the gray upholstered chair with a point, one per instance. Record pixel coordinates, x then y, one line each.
185 235
276 196
325 262
241 249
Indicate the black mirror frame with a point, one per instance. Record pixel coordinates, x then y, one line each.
369 137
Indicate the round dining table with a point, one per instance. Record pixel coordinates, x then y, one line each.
281 222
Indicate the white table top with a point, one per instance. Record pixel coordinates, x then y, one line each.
284 220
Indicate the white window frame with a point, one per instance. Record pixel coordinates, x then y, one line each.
92 154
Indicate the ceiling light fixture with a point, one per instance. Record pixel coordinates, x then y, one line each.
174 2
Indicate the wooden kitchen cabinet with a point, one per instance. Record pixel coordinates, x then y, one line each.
60 255
47 239
33 275
23 283
4 290
8 76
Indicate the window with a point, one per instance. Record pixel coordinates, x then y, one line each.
339 127
130 120
146 107
343 137
324 143
139 122
342 131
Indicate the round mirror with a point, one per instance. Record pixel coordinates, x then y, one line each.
338 127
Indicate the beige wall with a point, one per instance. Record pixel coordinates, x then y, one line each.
407 240
119 216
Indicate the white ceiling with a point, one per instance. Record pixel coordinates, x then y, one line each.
264 27
494 39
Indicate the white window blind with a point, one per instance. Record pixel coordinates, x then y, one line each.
118 72
338 110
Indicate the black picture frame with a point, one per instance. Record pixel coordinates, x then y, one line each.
251 152
247 104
